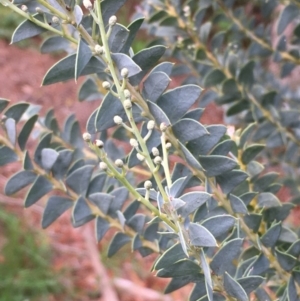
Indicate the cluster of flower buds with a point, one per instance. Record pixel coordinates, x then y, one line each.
99 49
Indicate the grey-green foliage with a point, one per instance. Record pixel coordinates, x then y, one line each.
214 218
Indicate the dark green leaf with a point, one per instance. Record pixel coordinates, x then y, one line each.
169 257
124 61
288 14
40 187
203 145
286 261
216 165
253 221
83 56
137 222
89 91
219 225
120 196
292 290
230 180
55 207
194 114
19 181
188 129
28 29
270 238
82 212
154 85
250 284
117 38
158 114
193 200
234 289
79 179
223 148
49 156
176 102
118 241
26 130
101 200
102 227
205 268
62 163
55 43
246 134
213 78
110 7
146 59
3 104
246 76
97 183
10 126
133 30
260 266
200 236
27 163
267 200
180 268
190 159
16 111
225 256
237 205
251 152
65 69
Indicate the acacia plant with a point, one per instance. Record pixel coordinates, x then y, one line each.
195 195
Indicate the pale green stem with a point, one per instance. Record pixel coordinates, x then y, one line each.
122 97
165 160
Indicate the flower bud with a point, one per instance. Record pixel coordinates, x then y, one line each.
163 126
87 4
86 137
24 8
186 11
99 143
155 151
112 21
103 166
119 163
106 85
124 72
133 142
39 10
140 157
118 120
168 145
157 160
99 49
150 125
127 93
148 185
55 20
127 104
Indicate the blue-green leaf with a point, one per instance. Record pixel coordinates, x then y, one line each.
40 187
26 130
82 212
226 254
55 207
19 181
102 227
83 56
79 179
176 102
216 165
154 85
118 241
234 289
200 236
124 61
